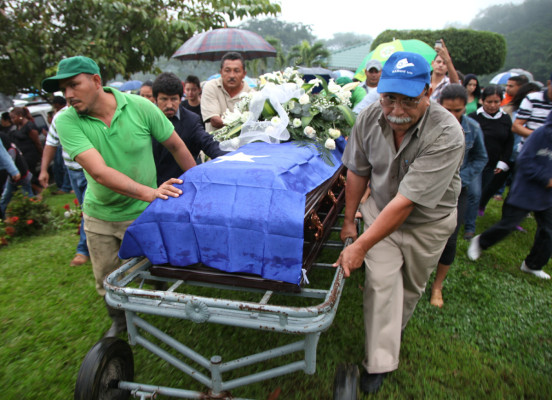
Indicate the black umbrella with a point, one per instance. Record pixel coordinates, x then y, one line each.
212 45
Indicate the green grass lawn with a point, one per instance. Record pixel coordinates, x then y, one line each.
492 339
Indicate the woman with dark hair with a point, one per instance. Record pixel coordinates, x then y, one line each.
27 141
512 107
471 83
499 141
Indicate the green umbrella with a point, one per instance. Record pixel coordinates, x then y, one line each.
384 50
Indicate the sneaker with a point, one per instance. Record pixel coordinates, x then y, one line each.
371 383
539 273
474 251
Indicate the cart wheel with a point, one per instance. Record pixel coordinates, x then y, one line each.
346 382
107 363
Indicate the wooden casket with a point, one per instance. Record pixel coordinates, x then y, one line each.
256 217
322 207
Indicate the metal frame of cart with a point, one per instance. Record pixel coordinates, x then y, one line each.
309 321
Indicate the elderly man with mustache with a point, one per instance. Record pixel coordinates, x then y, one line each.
223 93
410 150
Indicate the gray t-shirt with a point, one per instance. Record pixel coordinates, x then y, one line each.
425 169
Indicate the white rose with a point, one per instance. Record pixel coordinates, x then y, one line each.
245 116
67 214
334 133
309 132
315 82
275 120
296 122
304 99
330 144
230 118
235 143
299 82
333 87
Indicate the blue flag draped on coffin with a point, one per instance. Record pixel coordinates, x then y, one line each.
242 212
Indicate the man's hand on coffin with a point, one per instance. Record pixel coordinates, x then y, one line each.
351 258
167 189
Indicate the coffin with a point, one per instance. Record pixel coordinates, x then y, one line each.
321 212
256 217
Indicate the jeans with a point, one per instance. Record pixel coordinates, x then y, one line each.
78 183
11 186
449 253
474 194
61 176
511 217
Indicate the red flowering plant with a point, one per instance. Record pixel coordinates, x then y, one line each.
73 213
24 216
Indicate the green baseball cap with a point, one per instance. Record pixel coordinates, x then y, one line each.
69 67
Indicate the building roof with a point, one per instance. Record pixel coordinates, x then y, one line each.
349 58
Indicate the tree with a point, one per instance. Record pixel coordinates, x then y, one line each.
309 56
289 33
526 28
342 40
471 51
122 36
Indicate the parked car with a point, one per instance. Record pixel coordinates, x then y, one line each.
39 111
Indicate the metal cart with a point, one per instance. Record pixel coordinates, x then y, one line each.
107 371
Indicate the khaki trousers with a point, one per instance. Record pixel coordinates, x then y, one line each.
397 270
104 240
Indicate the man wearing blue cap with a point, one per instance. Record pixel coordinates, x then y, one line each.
109 134
410 150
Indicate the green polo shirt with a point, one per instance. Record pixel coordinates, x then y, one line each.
125 146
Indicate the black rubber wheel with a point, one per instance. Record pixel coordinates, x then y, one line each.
107 363
346 382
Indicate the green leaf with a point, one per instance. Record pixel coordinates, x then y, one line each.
348 114
268 110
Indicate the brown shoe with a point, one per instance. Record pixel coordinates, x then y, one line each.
436 298
79 260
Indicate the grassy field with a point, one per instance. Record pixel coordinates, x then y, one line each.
492 339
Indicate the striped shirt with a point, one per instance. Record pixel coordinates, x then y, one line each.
53 140
535 109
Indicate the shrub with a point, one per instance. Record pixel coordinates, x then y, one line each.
24 216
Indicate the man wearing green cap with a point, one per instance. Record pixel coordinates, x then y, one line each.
109 134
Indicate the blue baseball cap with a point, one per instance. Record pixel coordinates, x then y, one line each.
405 73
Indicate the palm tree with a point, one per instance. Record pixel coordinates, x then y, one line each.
281 60
309 56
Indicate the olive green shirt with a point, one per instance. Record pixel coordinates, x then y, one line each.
425 169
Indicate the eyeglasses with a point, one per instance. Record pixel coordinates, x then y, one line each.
406 104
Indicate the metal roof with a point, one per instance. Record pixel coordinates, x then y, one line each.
349 58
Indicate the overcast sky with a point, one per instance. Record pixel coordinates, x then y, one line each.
372 17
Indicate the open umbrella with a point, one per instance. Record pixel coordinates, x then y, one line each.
115 84
502 78
130 85
343 73
212 45
384 50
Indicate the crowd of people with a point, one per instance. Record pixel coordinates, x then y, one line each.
429 149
